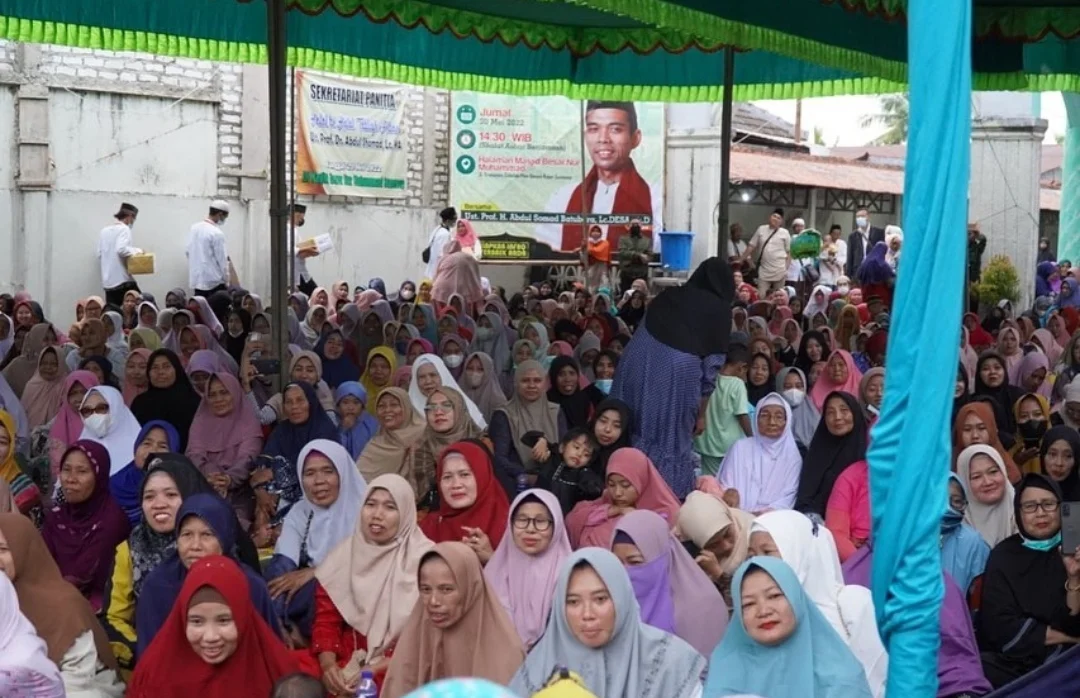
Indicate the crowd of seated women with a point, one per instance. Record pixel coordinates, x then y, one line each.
446 489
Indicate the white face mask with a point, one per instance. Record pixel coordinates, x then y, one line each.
484 332
843 289
872 410
794 396
475 378
98 424
453 360
860 222
406 295
237 334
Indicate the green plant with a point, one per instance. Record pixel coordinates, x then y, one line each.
999 281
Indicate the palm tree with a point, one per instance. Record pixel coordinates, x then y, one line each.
893 115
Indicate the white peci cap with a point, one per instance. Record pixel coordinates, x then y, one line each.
220 205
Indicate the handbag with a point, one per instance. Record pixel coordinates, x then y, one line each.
426 254
811 274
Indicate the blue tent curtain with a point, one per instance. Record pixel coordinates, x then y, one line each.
909 456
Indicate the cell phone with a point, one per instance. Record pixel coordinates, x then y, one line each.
1070 527
267 367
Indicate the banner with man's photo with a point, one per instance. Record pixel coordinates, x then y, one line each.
351 137
516 170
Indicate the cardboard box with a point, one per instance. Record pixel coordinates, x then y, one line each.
142 263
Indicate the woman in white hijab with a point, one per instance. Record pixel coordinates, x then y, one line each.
116 428
765 467
426 381
894 240
808 547
25 667
990 495
819 301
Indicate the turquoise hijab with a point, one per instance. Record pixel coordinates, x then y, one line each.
461 688
813 662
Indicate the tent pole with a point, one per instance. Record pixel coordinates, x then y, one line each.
275 28
725 153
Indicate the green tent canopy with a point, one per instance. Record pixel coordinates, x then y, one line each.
519 47
1018 44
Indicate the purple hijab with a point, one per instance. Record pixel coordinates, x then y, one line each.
959 666
83 537
673 592
874 269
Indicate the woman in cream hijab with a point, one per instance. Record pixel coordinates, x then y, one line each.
721 532
990 510
400 429
371 577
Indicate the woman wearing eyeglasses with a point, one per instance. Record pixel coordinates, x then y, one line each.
1031 588
525 567
448 421
108 421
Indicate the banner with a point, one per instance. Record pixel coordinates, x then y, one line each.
351 137
516 168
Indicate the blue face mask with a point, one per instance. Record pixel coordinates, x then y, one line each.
1043 546
951 520
604 385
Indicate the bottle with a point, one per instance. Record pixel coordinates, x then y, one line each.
367 687
522 483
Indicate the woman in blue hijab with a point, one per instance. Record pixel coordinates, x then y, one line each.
356 425
963 550
205 525
337 367
780 645
156 436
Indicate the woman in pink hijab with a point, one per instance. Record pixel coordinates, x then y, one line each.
68 425
465 235
840 374
525 567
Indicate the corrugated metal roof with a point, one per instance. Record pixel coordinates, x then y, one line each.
761 165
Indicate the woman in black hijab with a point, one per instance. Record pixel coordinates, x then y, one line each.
612 429
839 441
577 403
811 352
1031 588
237 321
992 380
1059 458
760 380
170 397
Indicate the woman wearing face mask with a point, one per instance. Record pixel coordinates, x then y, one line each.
673 592
480 383
238 327
452 350
791 383
525 567
107 421
82 533
872 393
963 550
166 484
1030 609
1032 413
781 645
213 642
429 374
491 339
205 526
406 292
603 368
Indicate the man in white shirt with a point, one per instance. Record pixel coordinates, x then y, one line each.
114 249
303 281
770 251
208 261
439 239
834 253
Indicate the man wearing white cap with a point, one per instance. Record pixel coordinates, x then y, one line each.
208 261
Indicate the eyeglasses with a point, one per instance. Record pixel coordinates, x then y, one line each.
100 409
521 523
440 407
1049 506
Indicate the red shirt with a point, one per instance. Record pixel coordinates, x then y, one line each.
330 633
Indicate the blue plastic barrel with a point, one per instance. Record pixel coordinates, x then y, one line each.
675 249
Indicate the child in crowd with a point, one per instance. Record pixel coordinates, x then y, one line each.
567 474
727 416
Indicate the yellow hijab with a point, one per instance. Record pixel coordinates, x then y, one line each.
9 468
369 385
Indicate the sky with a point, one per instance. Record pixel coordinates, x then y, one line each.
839 117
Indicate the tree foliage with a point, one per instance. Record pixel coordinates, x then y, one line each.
893 115
999 281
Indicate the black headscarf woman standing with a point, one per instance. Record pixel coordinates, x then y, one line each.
992 380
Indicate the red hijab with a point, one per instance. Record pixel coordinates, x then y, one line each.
978 338
171 669
489 512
